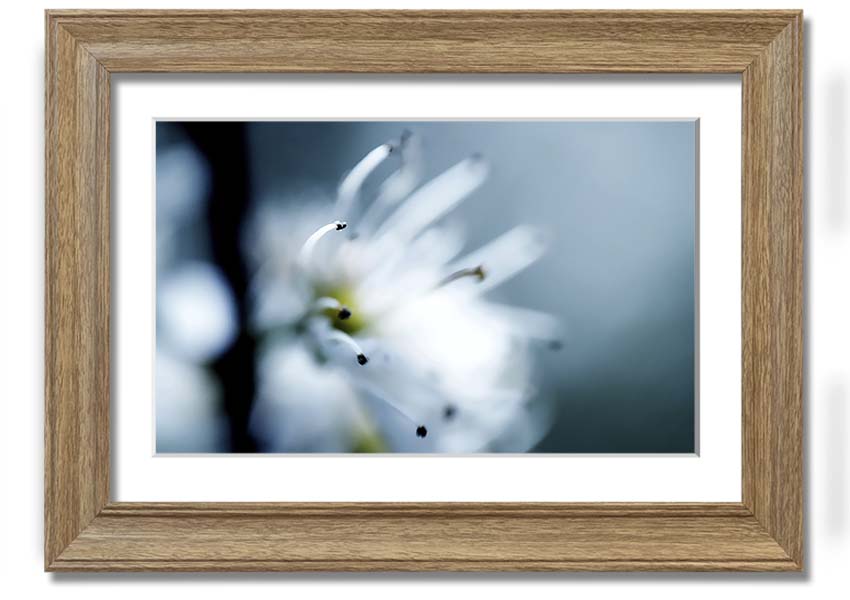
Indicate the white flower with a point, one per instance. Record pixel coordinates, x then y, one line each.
377 335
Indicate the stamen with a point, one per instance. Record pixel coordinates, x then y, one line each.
507 255
328 303
305 255
340 337
376 392
477 272
350 186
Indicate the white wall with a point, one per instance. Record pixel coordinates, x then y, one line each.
827 355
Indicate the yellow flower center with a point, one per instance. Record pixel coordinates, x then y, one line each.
352 321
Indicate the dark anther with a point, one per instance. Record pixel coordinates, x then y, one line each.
344 313
405 136
556 345
421 431
361 359
340 225
449 411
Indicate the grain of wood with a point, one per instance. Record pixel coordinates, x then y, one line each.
772 288
84 531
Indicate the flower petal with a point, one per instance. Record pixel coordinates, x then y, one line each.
434 199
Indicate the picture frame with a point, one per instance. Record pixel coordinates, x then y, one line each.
86 531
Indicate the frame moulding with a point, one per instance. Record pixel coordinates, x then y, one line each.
85 531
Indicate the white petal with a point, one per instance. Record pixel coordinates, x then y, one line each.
301 406
410 270
524 322
350 186
397 186
434 199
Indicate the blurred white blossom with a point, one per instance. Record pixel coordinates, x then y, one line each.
196 313
187 419
376 331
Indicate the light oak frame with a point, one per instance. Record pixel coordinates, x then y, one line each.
85 530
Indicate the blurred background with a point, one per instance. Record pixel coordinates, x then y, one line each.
617 200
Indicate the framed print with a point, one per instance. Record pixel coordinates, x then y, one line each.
409 294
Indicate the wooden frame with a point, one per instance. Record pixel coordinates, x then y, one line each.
84 530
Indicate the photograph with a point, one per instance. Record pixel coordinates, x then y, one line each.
426 286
